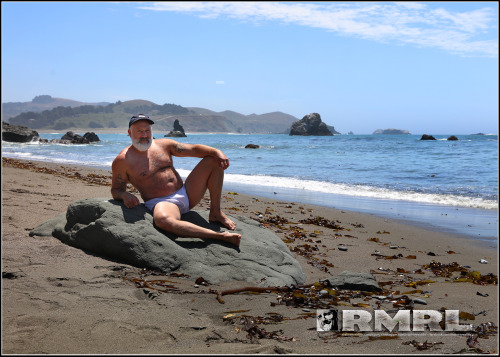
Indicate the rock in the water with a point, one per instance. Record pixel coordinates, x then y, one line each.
252 146
106 227
178 131
91 137
310 125
71 138
18 133
427 137
353 281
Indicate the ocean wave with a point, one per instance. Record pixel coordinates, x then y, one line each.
98 162
357 191
300 185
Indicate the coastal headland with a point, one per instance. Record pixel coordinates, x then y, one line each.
57 299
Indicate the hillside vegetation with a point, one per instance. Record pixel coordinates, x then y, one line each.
48 113
39 104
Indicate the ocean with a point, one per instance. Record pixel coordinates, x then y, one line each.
444 185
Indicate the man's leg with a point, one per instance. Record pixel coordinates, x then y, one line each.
208 174
167 216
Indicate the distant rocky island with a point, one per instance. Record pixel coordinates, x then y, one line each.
390 131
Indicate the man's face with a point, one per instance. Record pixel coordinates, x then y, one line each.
140 132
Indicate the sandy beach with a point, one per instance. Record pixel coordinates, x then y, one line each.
57 299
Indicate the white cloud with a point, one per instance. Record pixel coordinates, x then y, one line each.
402 22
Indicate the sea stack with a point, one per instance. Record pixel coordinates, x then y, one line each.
310 125
178 131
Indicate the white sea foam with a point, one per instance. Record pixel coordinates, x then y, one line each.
61 159
275 183
356 190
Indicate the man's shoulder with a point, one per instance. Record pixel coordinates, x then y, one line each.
123 153
122 156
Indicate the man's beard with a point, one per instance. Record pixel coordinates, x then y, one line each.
142 146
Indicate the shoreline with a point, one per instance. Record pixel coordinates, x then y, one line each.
58 299
480 225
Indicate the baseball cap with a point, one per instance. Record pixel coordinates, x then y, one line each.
139 117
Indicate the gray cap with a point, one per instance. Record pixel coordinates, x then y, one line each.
139 117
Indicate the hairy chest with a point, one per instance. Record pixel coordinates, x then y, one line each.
155 163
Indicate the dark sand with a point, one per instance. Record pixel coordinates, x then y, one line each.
57 299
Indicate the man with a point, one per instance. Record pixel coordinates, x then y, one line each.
147 164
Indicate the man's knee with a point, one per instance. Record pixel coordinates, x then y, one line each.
165 215
212 162
165 222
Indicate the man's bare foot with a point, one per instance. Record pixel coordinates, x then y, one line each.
233 238
223 219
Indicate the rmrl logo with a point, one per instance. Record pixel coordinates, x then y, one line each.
380 320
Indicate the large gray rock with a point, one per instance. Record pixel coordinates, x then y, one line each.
106 227
309 125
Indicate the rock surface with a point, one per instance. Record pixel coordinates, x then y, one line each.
18 133
310 125
353 281
106 227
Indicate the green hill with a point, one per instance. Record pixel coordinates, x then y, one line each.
47 113
275 122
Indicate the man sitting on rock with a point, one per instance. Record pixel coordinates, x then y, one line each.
147 164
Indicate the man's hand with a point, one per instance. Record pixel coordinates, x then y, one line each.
223 160
129 200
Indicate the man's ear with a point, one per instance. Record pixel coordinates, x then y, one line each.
129 133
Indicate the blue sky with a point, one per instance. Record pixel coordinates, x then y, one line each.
426 67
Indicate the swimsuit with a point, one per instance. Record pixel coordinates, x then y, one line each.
179 198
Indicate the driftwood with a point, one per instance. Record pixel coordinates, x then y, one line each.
257 289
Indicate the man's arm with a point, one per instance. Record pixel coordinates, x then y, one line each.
119 184
196 150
